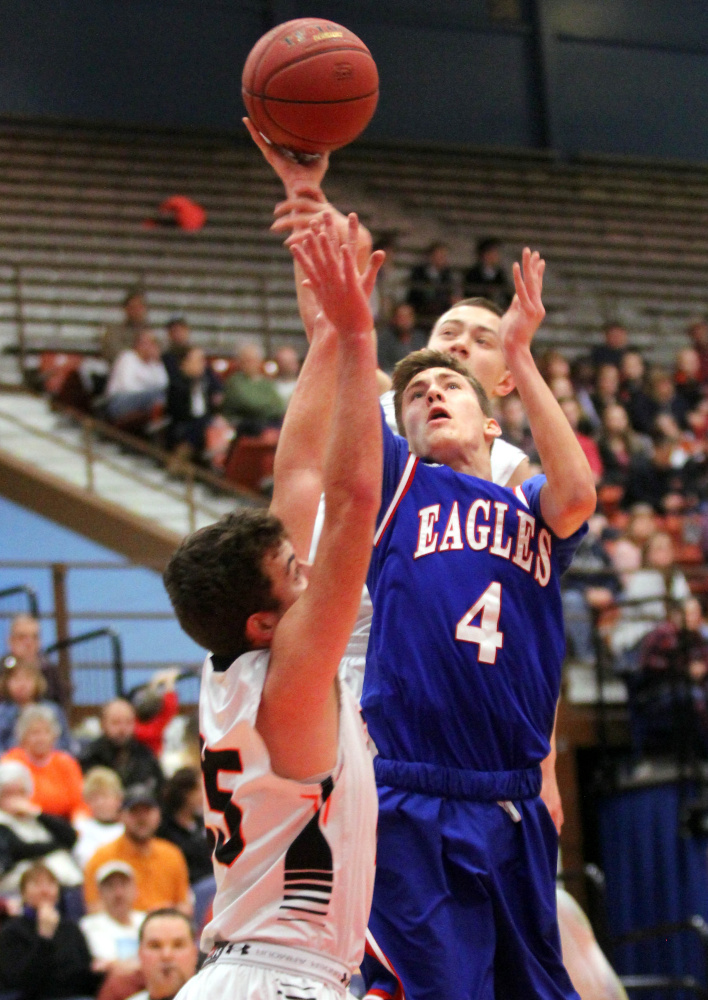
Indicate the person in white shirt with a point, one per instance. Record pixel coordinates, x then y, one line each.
112 934
138 379
103 794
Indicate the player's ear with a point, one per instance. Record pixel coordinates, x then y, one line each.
260 627
505 385
491 429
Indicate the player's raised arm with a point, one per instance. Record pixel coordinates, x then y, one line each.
298 712
569 497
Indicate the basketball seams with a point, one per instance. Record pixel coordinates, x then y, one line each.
262 107
339 100
310 55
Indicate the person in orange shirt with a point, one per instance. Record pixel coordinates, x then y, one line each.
160 869
57 777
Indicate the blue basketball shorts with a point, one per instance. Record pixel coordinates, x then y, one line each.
464 901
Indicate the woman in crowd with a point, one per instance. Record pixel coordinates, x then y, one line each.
23 684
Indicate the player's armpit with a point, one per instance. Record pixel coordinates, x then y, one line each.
521 473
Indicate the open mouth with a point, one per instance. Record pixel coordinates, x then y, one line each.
438 413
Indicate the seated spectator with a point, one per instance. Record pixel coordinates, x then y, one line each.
397 338
613 349
571 408
665 398
251 401
20 685
183 825
487 278
178 337
633 394
669 695
582 377
552 364
118 749
618 444
160 870
156 704
288 369
103 795
27 834
24 646
644 600
431 288
607 382
56 774
697 333
657 479
591 585
112 932
43 955
687 374
515 425
168 954
193 393
119 337
137 382
389 288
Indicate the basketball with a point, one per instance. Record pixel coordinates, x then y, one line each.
310 85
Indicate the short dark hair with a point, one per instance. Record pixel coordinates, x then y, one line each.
487 243
165 911
215 579
420 361
178 787
35 869
479 302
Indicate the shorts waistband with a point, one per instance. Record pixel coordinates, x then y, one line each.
457 783
282 957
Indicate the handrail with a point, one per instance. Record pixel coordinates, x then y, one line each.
30 594
116 647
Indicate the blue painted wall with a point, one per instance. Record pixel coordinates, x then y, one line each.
28 536
611 76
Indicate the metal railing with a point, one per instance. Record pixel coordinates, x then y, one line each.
30 594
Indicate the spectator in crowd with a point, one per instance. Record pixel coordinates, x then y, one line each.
552 364
389 288
487 278
183 825
28 834
669 695
168 954
118 749
137 382
56 774
112 932
160 870
20 685
655 478
103 795
155 704
24 646
43 955
697 333
251 401
288 368
687 379
582 376
399 337
645 597
571 408
607 383
119 337
666 400
633 394
515 425
432 289
193 393
614 347
178 337
618 444
591 585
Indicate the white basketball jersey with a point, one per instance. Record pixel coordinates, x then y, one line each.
505 459
294 861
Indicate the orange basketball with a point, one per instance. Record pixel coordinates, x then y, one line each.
310 85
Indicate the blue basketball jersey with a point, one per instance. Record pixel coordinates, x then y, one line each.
464 660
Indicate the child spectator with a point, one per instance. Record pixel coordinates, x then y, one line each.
103 795
192 394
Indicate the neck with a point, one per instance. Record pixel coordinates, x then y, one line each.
121 916
471 462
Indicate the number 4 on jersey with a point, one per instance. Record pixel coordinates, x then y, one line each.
485 635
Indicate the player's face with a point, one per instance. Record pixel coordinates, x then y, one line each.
471 334
288 575
442 417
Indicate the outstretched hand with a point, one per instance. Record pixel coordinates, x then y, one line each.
288 169
331 272
525 314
